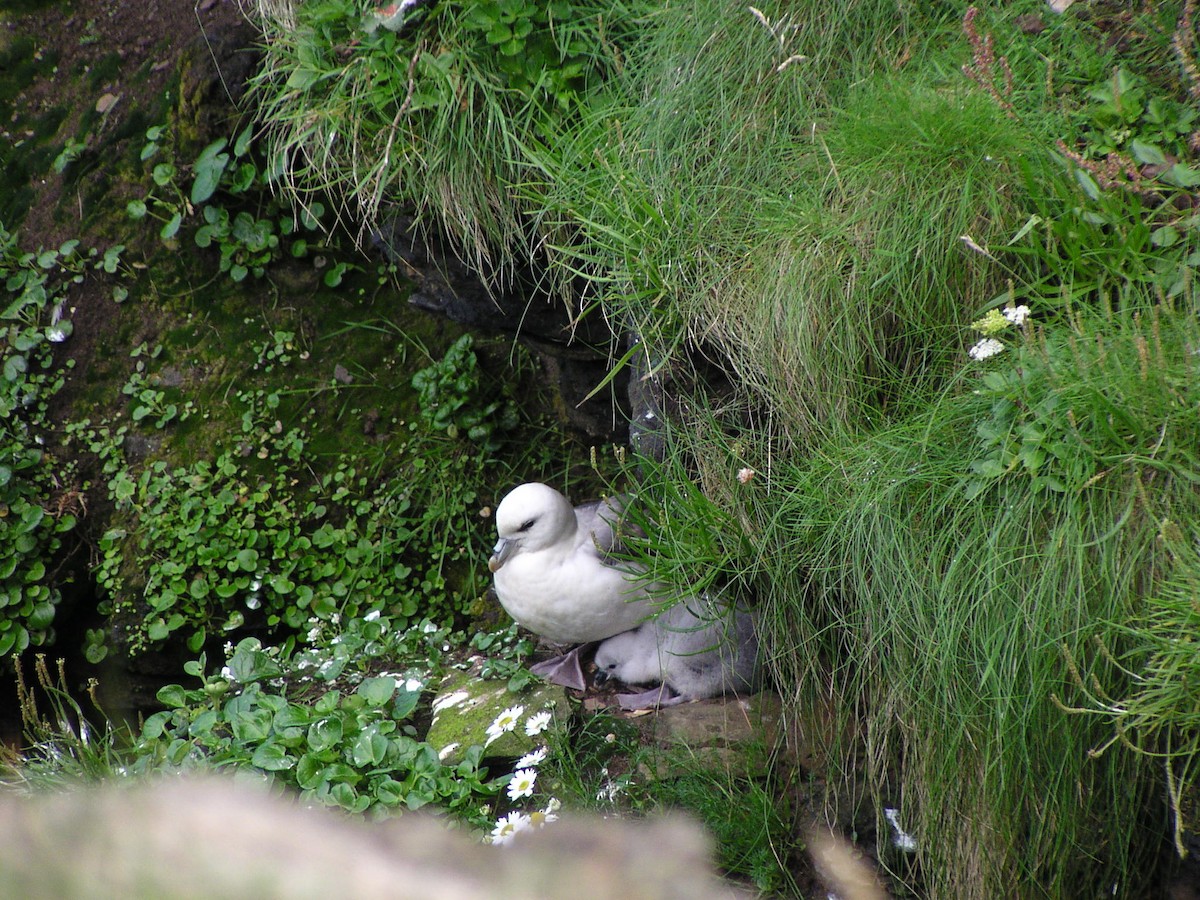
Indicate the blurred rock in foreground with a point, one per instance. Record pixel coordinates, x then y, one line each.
212 839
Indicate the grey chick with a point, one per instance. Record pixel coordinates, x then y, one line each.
697 649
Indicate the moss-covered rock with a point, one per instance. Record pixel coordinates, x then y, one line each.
466 706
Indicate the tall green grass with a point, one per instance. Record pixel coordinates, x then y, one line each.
429 120
770 190
955 624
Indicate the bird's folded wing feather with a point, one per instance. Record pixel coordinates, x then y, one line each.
601 527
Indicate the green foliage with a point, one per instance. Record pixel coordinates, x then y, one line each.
435 115
505 654
814 237
336 716
63 745
605 765
266 534
747 818
212 546
149 397
327 722
249 239
1126 115
452 398
37 499
532 59
947 618
1156 716
248 245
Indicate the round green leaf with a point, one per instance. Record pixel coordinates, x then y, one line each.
377 691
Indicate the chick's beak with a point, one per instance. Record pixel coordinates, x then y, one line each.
500 553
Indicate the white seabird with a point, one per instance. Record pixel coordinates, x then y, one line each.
695 648
552 570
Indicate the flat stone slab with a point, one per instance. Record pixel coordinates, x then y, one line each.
724 732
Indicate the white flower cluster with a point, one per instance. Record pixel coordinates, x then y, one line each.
1016 314
995 322
985 349
524 777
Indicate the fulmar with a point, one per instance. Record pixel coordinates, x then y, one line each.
553 570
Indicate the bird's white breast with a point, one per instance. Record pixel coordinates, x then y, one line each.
570 598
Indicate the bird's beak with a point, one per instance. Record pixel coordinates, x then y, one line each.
500 554
600 678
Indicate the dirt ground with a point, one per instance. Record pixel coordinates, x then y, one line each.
106 68
137 50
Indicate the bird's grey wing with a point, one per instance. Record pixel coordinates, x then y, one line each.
695 624
600 527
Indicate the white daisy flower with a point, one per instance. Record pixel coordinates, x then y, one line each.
506 721
507 827
529 760
985 349
522 784
538 722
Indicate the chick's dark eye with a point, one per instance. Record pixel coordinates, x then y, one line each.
525 526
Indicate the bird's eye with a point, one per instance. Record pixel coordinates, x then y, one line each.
527 525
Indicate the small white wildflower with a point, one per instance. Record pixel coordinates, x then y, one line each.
507 827
538 722
986 348
608 792
335 618
745 475
227 673
522 784
506 721
529 760
371 616
314 634
1016 314
229 648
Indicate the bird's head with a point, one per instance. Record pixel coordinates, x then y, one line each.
531 517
